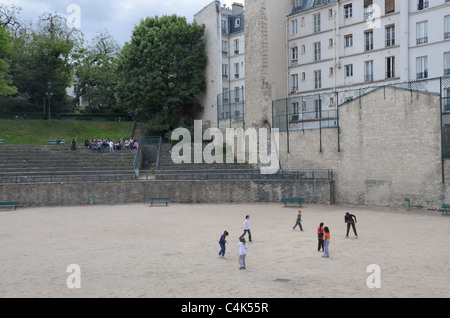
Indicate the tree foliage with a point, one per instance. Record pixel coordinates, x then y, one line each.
95 75
6 81
161 72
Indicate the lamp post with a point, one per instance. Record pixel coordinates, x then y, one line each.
49 94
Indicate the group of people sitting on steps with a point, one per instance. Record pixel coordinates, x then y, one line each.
107 144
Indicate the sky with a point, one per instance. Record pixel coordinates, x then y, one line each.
118 17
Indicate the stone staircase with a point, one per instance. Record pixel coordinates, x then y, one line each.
19 164
168 170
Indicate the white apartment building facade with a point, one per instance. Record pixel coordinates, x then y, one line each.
224 100
335 45
347 45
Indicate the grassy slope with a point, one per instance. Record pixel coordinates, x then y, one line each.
38 132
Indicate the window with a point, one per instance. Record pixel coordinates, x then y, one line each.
422 67
331 71
224 48
318 108
422 33
348 40
318 79
330 43
368 9
368 71
294 83
368 36
330 13
294 56
447 28
225 95
303 76
390 35
422 4
224 71
389 6
298 4
302 21
237 94
303 49
316 22
447 100
390 67
294 27
236 46
317 52
349 70
447 64
348 11
236 70
224 25
295 108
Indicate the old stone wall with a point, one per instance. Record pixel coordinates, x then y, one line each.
68 194
390 150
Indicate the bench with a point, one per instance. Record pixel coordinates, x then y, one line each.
159 200
445 208
9 205
1 141
299 201
57 142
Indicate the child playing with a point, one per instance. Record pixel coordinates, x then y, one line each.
222 243
242 252
326 238
299 221
320 237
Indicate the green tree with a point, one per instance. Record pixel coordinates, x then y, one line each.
161 72
40 54
6 81
95 76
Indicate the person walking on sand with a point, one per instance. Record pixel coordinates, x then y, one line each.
350 219
326 238
242 252
246 227
222 243
320 233
298 221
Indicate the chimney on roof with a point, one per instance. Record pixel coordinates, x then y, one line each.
236 7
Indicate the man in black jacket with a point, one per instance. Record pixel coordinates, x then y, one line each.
350 219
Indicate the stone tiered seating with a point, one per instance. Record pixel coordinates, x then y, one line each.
168 170
22 164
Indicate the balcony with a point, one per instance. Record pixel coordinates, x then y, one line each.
422 75
368 78
422 5
422 40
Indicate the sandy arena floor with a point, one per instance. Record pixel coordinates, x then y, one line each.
139 251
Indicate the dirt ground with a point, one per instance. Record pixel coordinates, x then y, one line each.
172 252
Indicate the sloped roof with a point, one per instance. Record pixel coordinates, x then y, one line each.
306 5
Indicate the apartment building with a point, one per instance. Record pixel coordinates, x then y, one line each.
336 45
224 100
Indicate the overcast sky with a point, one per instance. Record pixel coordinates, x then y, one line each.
119 17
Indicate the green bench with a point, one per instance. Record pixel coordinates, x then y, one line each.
298 201
57 142
1 141
12 204
445 208
159 200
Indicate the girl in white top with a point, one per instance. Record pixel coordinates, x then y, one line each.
242 252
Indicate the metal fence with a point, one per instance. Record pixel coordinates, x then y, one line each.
193 175
319 111
231 106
